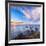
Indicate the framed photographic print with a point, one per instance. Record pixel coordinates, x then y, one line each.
24 22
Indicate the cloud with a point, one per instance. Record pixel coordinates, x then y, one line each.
34 14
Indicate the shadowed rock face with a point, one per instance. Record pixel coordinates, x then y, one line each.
33 35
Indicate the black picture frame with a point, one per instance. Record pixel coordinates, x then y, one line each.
6 33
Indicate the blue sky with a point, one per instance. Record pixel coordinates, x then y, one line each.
17 14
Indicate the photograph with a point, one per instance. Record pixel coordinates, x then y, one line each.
25 22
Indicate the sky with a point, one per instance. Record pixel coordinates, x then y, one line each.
25 14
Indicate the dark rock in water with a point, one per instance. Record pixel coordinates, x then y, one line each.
26 26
